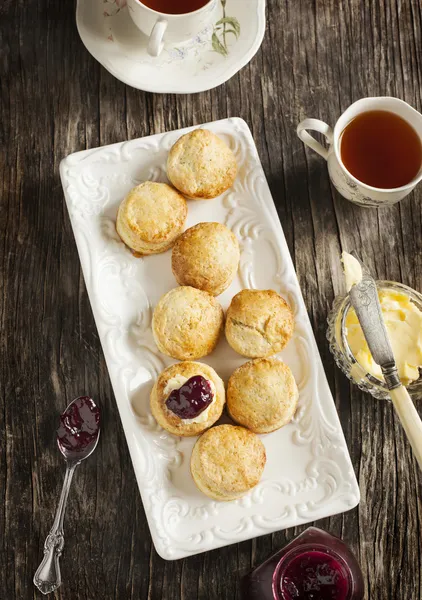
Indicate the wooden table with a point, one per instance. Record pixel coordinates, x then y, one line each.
317 58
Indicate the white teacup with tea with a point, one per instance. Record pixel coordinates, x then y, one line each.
374 152
170 21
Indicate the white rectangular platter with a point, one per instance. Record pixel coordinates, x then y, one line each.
308 473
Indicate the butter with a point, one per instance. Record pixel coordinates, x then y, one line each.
352 270
403 321
176 383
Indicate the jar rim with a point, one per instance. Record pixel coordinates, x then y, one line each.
304 549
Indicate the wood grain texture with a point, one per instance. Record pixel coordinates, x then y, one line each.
317 57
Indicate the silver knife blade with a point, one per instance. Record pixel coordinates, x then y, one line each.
365 301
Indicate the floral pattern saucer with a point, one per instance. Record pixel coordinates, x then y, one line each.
205 62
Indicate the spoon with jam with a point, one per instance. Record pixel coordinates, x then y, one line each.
77 438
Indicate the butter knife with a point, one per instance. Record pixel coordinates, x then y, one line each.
365 301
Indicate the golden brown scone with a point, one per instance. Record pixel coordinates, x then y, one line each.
262 395
227 461
174 377
151 217
201 165
206 256
187 323
258 323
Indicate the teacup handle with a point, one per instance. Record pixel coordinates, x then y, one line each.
315 125
155 43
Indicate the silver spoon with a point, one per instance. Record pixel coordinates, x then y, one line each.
77 438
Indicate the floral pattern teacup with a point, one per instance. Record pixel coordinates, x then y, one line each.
351 188
169 29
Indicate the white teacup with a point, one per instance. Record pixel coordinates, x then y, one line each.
348 186
164 28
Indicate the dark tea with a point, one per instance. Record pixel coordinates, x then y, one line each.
381 149
175 7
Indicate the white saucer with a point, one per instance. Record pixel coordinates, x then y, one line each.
111 37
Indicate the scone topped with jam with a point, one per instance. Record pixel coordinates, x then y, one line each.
187 398
151 217
201 165
187 323
262 395
206 256
227 462
258 323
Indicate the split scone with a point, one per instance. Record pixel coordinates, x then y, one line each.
227 461
187 323
151 217
258 323
206 256
201 165
262 395
187 398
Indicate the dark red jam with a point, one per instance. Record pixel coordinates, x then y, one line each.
314 575
314 566
190 400
79 425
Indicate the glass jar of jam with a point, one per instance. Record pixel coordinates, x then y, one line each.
314 566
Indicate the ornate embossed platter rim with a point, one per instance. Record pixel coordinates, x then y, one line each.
97 41
309 473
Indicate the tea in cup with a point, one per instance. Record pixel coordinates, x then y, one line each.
170 21
375 150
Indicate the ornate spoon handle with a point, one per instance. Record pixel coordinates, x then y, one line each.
47 577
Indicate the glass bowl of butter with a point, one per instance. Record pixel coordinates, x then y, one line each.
402 311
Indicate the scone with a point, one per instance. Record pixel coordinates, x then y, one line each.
206 256
201 165
258 323
262 395
227 461
187 398
187 323
151 217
